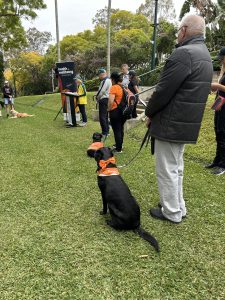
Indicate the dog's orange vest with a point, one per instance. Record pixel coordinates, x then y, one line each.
105 170
95 146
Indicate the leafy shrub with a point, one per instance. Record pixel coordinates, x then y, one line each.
92 85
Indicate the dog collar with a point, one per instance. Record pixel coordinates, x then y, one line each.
95 146
105 170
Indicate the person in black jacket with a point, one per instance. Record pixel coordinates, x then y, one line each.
219 121
175 112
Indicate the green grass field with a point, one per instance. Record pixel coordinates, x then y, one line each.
55 245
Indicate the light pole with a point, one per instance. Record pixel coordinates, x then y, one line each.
57 31
108 37
154 36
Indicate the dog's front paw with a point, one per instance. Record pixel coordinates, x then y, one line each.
103 212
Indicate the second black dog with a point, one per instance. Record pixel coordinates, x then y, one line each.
96 144
116 196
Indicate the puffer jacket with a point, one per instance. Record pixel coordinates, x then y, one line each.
176 107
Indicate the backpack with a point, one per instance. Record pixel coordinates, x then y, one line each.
127 103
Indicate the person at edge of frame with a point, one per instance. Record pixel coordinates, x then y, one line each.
218 164
175 111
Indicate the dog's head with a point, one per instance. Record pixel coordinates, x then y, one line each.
13 112
96 144
103 154
97 137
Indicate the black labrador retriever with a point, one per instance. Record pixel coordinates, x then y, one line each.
117 197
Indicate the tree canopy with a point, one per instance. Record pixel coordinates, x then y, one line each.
12 33
131 36
165 10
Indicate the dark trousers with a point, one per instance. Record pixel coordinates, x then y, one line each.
103 115
83 112
219 123
117 122
134 112
219 159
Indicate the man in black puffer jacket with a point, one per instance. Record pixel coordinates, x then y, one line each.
175 112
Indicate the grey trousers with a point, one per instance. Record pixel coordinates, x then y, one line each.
169 172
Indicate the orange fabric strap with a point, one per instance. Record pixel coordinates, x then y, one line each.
108 171
96 146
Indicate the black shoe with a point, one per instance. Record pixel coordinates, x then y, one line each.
218 171
70 126
157 214
160 206
210 166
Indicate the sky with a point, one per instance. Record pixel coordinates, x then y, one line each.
76 15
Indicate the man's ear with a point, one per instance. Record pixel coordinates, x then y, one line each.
98 155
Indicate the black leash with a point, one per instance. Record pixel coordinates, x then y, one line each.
146 140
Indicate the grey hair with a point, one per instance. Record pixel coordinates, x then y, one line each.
195 24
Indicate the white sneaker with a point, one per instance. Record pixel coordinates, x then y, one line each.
117 152
82 124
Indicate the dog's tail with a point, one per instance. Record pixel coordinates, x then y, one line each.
148 237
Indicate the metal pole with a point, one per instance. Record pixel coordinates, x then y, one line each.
108 37
154 36
57 31
52 77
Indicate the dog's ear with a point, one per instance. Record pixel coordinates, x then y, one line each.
111 151
98 155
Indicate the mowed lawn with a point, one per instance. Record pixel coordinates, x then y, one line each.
55 245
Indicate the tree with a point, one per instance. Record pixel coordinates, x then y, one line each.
131 46
37 40
30 78
100 18
165 9
166 38
206 8
221 4
21 8
130 40
124 19
12 34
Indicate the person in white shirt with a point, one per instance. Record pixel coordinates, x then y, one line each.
102 97
125 72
